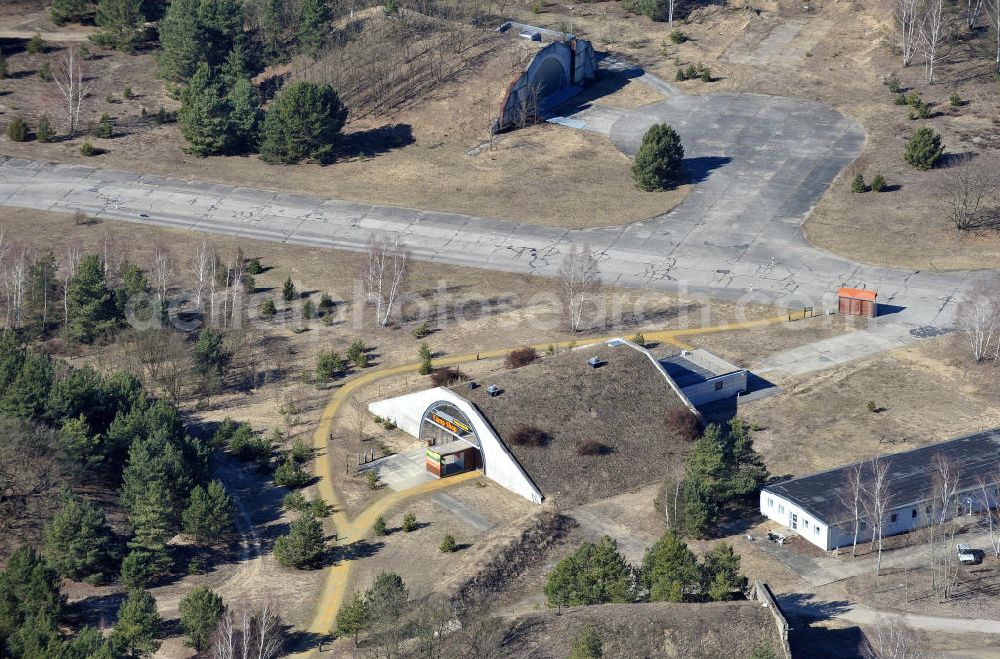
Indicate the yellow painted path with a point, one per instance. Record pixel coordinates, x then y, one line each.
350 530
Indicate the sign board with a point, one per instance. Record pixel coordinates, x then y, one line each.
449 423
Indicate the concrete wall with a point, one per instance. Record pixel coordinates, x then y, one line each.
717 388
498 464
761 592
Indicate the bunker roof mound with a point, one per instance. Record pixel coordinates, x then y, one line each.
622 404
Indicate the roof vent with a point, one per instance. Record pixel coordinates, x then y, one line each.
595 362
493 390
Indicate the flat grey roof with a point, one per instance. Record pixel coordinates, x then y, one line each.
911 475
685 372
456 446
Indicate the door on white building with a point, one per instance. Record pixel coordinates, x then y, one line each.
793 521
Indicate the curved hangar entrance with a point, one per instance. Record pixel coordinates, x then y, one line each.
452 446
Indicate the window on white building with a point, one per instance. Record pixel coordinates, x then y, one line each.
913 514
816 530
770 502
893 519
781 508
805 523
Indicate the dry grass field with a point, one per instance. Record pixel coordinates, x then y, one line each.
422 153
838 52
714 630
929 392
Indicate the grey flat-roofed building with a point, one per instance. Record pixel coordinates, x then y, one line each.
703 377
814 506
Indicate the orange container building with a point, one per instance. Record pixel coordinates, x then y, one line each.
857 302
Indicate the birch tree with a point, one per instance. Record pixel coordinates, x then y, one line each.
932 34
877 503
973 10
71 79
201 267
384 273
253 632
892 638
993 18
74 252
852 498
908 20
162 270
979 320
580 283
990 517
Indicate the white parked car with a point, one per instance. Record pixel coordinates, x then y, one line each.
967 555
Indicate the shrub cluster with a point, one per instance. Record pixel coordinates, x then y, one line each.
520 357
525 435
444 377
685 423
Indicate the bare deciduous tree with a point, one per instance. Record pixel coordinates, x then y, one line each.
932 35
990 516
384 273
71 79
580 283
979 319
970 193
201 268
16 281
973 10
852 498
162 269
74 252
892 638
993 17
877 503
253 632
908 20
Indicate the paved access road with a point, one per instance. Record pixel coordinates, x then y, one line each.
759 162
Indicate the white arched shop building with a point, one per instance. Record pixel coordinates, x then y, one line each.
458 436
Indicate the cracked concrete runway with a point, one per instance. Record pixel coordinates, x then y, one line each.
759 162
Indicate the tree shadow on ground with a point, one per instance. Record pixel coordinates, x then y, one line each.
376 141
700 168
821 642
804 606
98 610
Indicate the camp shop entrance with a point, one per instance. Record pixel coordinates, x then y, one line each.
452 446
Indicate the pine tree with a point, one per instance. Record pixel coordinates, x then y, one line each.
42 293
27 396
236 66
69 11
210 354
194 32
201 610
138 625
119 21
924 149
352 619
314 28
91 308
594 574
302 546
80 443
273 23
670 570
209 516
77 538
304 121
245 117
204 115
659 162
28 588
722 573
288 290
